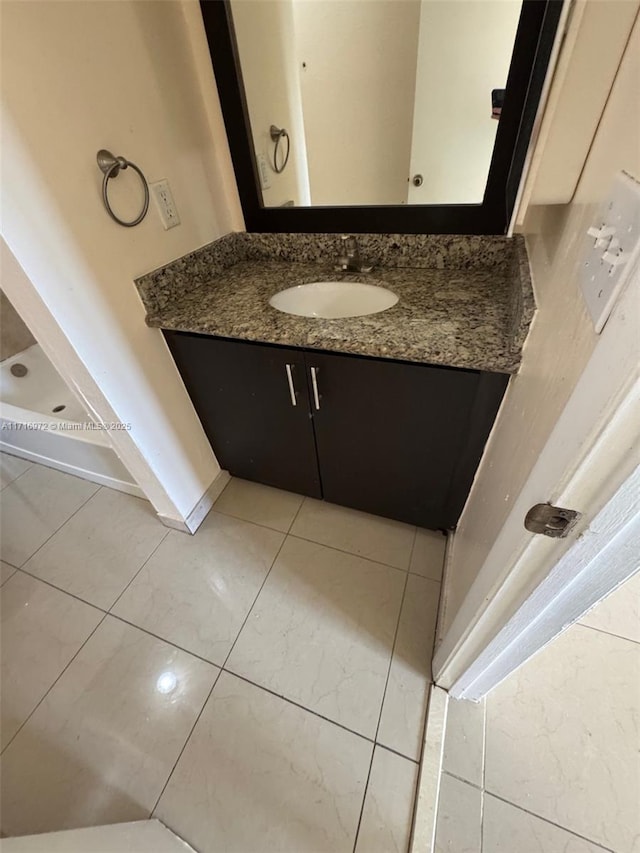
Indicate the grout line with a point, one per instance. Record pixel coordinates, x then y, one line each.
184 745
66 521
384 694
251 521
246 520
551 822
364 799
462 779
295 517
284 539
600 631
393 649
22 473
139 570
253 604
46 693
223 668
354 554
165 640
218 666
298 705
324 544
382 745
65 591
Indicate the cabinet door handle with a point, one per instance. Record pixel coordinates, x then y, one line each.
314 383
292 390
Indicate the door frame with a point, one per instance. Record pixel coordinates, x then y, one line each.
545 585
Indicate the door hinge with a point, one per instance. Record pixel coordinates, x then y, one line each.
553 521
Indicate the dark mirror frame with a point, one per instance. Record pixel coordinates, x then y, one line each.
532 48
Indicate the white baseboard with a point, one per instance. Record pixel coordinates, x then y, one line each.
94 477
200 511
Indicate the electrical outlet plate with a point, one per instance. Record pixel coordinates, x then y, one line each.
612 247
165 204
263 169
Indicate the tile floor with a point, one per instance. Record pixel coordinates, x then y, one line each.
259 686
550 761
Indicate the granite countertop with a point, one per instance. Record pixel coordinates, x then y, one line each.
460 310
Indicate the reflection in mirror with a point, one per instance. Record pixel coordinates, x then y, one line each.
385 102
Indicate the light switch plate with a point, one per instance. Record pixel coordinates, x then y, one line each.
165 204
612 246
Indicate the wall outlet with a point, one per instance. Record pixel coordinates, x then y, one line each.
263 169
165 204
612 245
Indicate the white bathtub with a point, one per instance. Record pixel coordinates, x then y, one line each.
43 421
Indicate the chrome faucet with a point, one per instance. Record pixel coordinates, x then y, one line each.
349 259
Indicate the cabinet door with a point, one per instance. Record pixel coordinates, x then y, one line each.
244 394
389 434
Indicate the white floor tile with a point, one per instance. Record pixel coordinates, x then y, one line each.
388 807
5 570
459 821
370 536
101 745
260 774
619 613
11 467
427 558
42 629
506 829
563 734
196 591
406 697
35 506
321 632
464 740
97 552
260 504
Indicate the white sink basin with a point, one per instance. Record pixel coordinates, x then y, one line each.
333 299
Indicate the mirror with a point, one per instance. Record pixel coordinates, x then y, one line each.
381 102
396 116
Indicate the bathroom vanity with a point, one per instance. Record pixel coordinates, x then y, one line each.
389 412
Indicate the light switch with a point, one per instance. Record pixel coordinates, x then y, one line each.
612 247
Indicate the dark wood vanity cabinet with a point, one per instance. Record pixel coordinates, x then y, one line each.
241 392
395 439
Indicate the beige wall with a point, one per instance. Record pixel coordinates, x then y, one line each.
560 341
464 52
133 77
357 96
266 43
14 335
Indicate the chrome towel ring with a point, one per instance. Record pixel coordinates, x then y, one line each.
110 166
277 133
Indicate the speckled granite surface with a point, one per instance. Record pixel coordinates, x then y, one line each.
464 301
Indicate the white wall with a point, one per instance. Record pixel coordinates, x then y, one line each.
560 342
133 77
266 43
357 97
464 52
